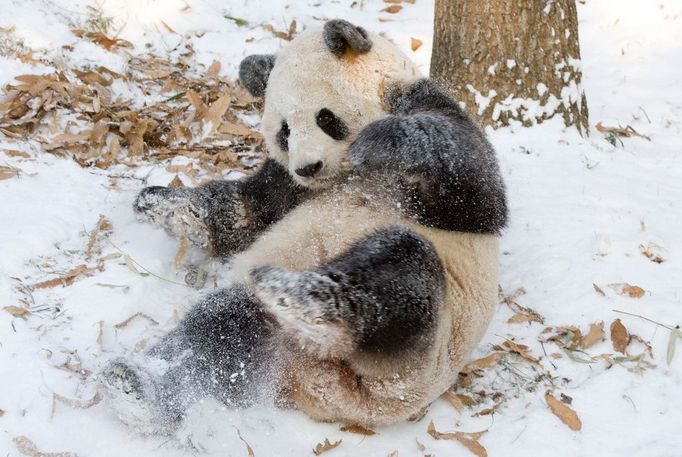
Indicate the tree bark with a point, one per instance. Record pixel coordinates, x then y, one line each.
511 59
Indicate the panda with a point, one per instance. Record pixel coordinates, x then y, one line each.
365 248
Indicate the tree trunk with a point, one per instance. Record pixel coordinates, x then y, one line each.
511 59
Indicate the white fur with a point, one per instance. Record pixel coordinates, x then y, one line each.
306 78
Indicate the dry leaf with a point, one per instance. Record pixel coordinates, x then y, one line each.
393 454
65 280
626 131
102 225
235 129
563 412
17 311
469 440
130 263
217 110
393 9
521 350
176 183
672 342
628 289
594 335
181 255
598 290
325 446
454 400
419 415
485 362
28 448
248 447
213 69
2 412
133 317
619 336
360 430
415 43
7 172
652 252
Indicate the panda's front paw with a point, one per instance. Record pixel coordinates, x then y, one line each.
178 211
306 305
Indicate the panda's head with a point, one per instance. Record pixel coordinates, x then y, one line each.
320 91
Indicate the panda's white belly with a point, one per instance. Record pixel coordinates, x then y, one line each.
394 389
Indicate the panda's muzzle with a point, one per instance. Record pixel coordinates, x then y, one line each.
309 170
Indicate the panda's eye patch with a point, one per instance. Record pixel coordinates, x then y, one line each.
283 137
331 125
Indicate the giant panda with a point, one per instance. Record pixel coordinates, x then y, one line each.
365 248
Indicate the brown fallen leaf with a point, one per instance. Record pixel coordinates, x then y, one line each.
415 43
181 255
213 70
488 361
469 440
17 311
360 430
563 412
521 350
626 131
103 224
176 183
7 172
594 335
138 315
325 446
598 290
65 280
652 252
393 9
27 447
2 412
454 400
419 415
78 404
619 336
628 290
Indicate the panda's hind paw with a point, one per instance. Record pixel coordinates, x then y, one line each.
305 304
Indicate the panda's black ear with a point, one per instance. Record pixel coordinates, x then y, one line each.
340 35
254 72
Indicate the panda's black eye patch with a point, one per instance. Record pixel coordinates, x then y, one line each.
331 125
283 137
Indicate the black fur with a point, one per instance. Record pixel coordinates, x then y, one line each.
254 72
331 124
234 212
283 137
440 160
340 35
221 348
386 289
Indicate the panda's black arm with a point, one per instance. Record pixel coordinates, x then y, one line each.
226 216
441 161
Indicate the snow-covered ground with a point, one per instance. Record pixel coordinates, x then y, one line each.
581 208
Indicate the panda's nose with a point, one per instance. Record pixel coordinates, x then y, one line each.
309 170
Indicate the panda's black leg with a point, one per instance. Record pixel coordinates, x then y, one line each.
221 348
380 296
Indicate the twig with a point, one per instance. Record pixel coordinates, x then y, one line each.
145 269
645 318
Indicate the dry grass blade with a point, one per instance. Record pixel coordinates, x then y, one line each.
563 412
7 172
672 342
138 315
325 446
249 450
468 440
619 336
454 400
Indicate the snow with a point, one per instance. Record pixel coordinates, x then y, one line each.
580 209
